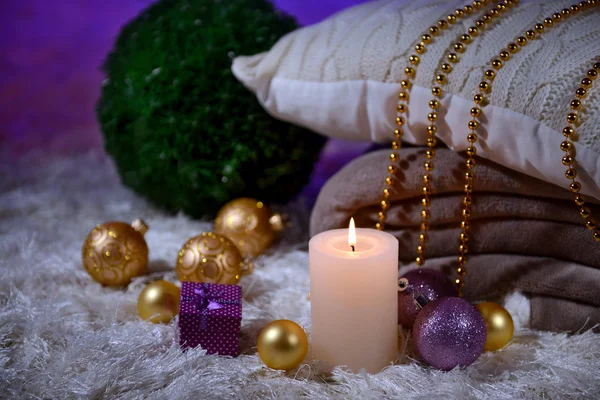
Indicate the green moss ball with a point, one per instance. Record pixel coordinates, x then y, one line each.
182 130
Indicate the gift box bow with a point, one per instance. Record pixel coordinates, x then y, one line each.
207 300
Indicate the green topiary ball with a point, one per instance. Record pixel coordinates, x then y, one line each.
182 130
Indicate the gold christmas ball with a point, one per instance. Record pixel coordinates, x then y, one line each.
159 302
499 325
210 258
115 252
282 344
249 224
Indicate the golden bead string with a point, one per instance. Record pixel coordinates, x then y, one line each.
402 108
569 147
485 87
440 80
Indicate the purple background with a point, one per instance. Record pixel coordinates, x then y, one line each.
49 67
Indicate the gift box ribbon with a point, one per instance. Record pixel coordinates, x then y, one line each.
207 300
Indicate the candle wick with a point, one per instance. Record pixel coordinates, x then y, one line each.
353 249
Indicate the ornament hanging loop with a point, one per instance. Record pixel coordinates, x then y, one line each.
247 266
140 225
279 222
421 301
402 284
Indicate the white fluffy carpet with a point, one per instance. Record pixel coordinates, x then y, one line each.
63 336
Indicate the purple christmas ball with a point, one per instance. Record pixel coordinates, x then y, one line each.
428 282
449 332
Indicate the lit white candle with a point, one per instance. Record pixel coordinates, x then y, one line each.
354 298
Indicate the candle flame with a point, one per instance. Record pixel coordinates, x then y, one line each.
352 234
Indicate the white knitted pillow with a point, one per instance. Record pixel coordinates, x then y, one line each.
340 78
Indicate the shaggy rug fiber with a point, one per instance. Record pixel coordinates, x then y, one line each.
63 336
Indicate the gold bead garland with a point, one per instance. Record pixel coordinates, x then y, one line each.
485 87
406 83
568 147
441 78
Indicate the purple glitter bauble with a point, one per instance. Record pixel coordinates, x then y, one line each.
428 282
449 332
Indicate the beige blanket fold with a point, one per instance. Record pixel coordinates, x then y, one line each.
526 234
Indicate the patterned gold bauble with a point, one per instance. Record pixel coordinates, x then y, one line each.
115 252
282 344
211 258
159 302
499 325
249 224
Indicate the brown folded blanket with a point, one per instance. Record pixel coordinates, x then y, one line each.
526 234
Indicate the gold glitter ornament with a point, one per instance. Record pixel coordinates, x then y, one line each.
211 258
499 325
115 252
159 302
249 224
282 344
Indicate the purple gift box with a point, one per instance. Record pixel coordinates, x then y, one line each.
210 316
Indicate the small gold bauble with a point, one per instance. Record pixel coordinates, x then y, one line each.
282 344
115 252
210 258
499 325
249 224
159 302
